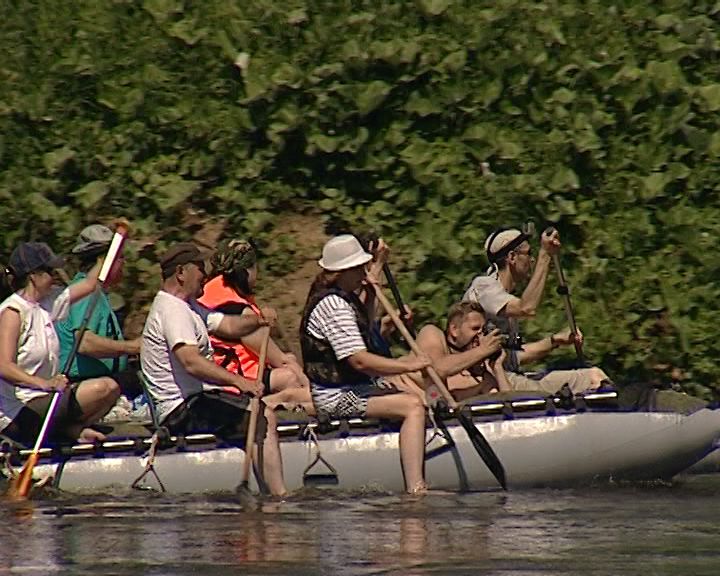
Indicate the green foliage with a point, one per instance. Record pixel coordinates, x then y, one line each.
431 121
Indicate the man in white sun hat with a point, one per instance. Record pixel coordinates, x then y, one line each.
349 377
511 265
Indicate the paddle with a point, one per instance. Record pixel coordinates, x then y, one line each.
19 487
564 291
478 441
398 299
243 488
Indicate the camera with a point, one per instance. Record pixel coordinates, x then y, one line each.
506 341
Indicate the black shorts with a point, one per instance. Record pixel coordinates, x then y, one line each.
212 411
26 425
128 380
266 381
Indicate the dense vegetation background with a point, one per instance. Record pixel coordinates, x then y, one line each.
429 121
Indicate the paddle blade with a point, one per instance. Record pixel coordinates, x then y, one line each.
483 448
19 487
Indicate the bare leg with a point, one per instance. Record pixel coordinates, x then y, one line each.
272 458
289 398
409 407
96 397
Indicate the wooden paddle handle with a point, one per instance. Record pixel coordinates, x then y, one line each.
255 408
431 372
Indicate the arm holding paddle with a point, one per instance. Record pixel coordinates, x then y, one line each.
376 365
9 370
535 351
201 368
234 327
526 306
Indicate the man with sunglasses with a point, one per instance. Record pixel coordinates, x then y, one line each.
511 265
183 382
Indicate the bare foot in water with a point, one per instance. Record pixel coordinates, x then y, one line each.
89 435
420 489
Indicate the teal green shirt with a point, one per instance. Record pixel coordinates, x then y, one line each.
103 322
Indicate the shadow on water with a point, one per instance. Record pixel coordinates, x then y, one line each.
609 529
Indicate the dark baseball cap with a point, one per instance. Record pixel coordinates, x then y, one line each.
31 256
182 253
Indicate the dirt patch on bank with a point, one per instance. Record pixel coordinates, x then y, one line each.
302 238
297 241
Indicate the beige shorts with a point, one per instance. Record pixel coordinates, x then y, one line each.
579 381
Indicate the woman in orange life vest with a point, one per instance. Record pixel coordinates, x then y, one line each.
230 290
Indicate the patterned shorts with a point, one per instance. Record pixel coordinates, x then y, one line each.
348 402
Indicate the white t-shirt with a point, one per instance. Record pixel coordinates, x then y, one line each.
173 321
333 319
38 351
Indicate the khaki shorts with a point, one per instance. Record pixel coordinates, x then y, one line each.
578 380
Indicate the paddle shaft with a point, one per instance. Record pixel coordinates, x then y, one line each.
440 386
398 298
564 291
254 411
25 477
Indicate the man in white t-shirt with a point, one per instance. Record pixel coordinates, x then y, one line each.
183 381
511 264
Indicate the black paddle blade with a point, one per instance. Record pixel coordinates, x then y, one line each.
483 448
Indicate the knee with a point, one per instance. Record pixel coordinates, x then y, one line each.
270 416
108 388
597 375
415 406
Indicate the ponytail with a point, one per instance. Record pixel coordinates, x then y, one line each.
323 281
8 282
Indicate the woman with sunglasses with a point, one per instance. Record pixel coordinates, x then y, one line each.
30 352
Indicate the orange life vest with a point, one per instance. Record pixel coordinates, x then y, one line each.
232 356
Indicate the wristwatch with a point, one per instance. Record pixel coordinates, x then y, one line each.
553 343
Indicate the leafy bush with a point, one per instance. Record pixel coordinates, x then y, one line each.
430 121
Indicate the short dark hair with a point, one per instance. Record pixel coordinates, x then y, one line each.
460 310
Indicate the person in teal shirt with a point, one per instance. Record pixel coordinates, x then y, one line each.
103 350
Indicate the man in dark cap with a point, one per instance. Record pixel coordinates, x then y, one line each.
183 382
103 351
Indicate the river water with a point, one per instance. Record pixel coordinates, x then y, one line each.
660 529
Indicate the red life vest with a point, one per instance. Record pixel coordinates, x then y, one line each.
230 355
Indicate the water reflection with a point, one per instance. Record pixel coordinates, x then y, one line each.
532 532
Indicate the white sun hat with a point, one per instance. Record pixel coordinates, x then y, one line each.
342 253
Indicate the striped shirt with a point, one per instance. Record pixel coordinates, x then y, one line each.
333 320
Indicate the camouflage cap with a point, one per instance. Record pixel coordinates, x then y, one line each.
233 256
